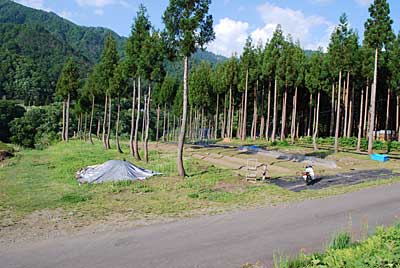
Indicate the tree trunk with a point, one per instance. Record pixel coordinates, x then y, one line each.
216 117
143 120
131 137
135 139
91 121
316 123
117 127
283 128
165 121
268 112
310 116
294 115
63 121
158 121
244 119
254 123
230 113
98 128
332 111
338 114
351 115
67 118
387 114
360 122
275 116
181 141
346 105
85 128
146 139
397 118
262 120
168 127
372 105
105 122
240 124
231 124
79 126
109 122
366 114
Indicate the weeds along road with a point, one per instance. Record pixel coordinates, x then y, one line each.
228 240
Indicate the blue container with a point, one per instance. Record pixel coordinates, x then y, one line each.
380 157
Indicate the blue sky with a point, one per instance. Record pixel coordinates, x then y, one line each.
310 21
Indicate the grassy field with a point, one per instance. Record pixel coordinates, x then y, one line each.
44 180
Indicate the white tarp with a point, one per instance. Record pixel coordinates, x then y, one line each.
113 170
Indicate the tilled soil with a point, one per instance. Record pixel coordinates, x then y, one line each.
297 184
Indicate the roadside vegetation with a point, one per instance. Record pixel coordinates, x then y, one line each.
379 250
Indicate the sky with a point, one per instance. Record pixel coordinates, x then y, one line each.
309 21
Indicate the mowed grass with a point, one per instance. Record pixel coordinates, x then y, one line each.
37 180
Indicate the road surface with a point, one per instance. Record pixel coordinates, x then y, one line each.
228 240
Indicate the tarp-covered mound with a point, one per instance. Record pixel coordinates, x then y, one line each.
113 170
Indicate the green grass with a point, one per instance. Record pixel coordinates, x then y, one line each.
36 180
380 250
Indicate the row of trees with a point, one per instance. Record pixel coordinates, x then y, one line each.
293 94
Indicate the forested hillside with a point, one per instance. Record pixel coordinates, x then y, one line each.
34 45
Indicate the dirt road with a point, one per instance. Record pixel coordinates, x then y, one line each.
228 240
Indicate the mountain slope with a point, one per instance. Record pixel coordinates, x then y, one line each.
89 41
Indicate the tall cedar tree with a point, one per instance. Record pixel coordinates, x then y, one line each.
140 34
67 87
377 36
188 27
108 63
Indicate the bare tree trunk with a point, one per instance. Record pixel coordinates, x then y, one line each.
346 104
310 116
158 122
144 120
338 113
117 127
181 142
79 126
366 114
67 118
255 115
202 124
131 146
165 121
332 111
351 115
216 117
294 115
85 128
387 114
109 123
283 128
232 117
316 123
275 116
105 122
230 113
63 121
224 129
91 121
268 112
98 128
240 124
135 139
372 105
168 128
262 120
314 118
360 122
244 119
397 118
146 139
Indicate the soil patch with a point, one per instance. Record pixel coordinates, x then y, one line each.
297 184
4 155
